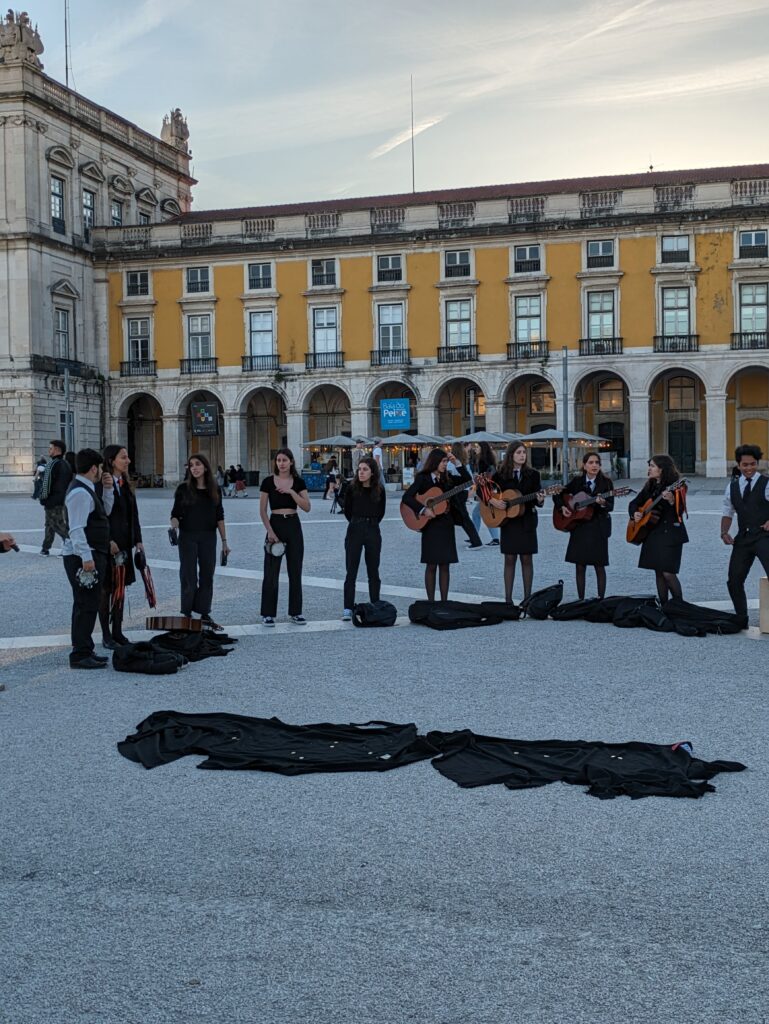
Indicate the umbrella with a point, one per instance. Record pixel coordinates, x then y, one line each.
336 441
410 440
482 435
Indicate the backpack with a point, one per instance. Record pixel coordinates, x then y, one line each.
143 657
542 602
451 615
573 610
374 613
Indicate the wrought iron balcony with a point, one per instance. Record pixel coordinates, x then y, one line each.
600 346
676 342
58 364
458 354
205 365
750 339
323 360
517 350
754 252
259 364
390 274
319 280
527 266
675 256
256 282
457 270
139 368
594 262
390 357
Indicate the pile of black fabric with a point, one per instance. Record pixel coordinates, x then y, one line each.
194 646
237 742
147 660
676 616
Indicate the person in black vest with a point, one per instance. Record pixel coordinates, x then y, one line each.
662 548
746 495
197 515
57 477
125 535
364 508
589 540
518 536
86 551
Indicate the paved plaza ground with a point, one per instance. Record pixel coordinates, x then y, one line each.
181 896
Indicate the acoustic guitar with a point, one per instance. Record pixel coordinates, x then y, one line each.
637 532
582 507
514 504
433 498
174 623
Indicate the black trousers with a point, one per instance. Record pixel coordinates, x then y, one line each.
289 530
362 536
468 526
197 564
85 605
746 549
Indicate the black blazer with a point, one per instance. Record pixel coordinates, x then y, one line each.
424 481
601 513
530 483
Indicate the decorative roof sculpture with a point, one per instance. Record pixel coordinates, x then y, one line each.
19 42
175 131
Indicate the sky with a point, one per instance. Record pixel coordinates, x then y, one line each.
291 100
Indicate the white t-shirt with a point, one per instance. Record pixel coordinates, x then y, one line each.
377 453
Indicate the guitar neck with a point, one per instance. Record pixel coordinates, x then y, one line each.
673 487
449 494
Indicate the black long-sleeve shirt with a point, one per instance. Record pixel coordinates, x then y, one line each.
195 510
360 503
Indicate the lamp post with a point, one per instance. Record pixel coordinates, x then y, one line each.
565 418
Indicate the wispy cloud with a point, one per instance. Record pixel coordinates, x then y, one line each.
404 136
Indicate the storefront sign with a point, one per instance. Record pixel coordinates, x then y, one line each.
205 419
394 414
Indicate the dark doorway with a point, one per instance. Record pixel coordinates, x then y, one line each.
540 457
614 431
682 444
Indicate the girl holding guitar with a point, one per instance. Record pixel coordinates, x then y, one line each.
518 536
439 545
589 539
662 547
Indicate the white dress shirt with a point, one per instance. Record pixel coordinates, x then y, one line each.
729 509
79 505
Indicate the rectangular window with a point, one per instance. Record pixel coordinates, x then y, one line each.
753 308
528 318
261 332
144 218
611 395
675 249
259 276
116 213
389 268
458 323
67 427
323 272
197 280
600 253
675 311
390 326
527 259
753 245
457 263
61 333
137 282
325 335
199 336
600 315
139 339
89 212
57 205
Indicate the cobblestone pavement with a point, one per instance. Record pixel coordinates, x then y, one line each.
184 896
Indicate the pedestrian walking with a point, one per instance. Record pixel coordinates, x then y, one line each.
57 477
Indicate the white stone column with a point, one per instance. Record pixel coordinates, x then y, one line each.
715 409
174 449
235 439
359 422
639 440
297 426
495 416
427 419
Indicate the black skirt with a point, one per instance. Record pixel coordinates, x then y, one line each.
439 544
662 549
589 542
519 536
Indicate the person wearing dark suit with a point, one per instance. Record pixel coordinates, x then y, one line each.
365 503
439 545
518 536
746 497
589 539
662 548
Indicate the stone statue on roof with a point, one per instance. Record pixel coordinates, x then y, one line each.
19 42
175 131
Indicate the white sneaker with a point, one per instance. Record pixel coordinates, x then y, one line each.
267 620
299 620
347 615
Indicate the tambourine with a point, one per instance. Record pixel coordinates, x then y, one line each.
87 580
276 550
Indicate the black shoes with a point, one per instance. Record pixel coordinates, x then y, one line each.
109 643
92 662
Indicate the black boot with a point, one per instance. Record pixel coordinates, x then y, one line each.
117 628
106 639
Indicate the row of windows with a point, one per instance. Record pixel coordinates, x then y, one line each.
117 209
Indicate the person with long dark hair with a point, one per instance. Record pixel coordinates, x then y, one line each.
518 536
285 493
197 515
486 462
439 545
364 508
125 534
662 548
589 539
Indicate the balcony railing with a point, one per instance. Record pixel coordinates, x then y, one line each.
58 364
600 346
139 368
256 282
458 270
458 354
527 350
675 255
323 279
527 266
754 252
750 339
391 357
323 360
205 365
676 342
259 364
390 274
600 261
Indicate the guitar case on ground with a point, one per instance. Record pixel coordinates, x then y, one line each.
574 610
541 603
451 615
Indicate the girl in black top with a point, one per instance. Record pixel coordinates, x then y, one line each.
589 540
439 545
518 536
125 535
285 492
364 509
197 515
661 551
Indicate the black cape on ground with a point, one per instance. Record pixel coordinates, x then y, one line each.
237 742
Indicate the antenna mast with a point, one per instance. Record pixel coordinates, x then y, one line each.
67 53
413 179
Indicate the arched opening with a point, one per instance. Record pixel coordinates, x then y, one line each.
601 407
677 418
461 408
265 428
144 420
328 410
747 410
385 421
203 425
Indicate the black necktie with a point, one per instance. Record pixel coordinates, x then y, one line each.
746 492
